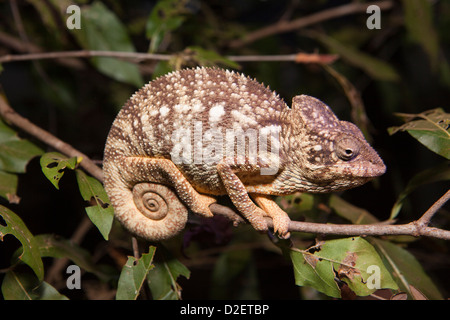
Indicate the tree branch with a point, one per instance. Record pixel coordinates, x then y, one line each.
24 124
21 46
425 219
286 26
84 54
138 56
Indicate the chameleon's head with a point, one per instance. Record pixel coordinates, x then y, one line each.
334 153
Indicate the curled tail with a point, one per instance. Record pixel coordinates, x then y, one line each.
149 210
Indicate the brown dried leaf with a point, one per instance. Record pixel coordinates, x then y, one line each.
347 268
400 296
416 294
13 198
311 260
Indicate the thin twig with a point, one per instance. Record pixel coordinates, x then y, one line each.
425 219
226 212
412 228
24 124
368 229
84 54
21 46
286 26
138 56
135 246
296 57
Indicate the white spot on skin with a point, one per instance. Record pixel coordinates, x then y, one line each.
182 108
216 113
163 111
198 107
247 109
243 119
153 113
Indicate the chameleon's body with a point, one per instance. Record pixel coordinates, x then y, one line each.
173 132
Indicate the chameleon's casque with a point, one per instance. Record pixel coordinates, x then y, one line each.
197 133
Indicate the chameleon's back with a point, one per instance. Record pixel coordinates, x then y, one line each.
184 116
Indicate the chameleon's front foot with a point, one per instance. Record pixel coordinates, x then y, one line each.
280 218
255 217
281 227
254 214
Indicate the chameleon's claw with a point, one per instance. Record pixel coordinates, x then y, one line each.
281 226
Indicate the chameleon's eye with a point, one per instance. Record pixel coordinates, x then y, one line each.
347 148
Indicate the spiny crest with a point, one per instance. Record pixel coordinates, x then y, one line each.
205 71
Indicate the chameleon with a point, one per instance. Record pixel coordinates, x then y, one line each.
194 134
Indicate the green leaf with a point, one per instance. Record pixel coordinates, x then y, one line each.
166 16
232 265
419 23
374 67
15 153
100 212
438 173
53 165
30 249
47 12
162 68
162 279
133 275
57 247
351 259
8 186
350 212
432 130
6 133
210 58
405 269
102 30
299 206
309 271
354 256
22 286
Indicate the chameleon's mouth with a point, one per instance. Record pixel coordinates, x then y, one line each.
362 168
353 175
373 169
367 170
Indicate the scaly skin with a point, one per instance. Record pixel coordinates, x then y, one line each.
206 132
